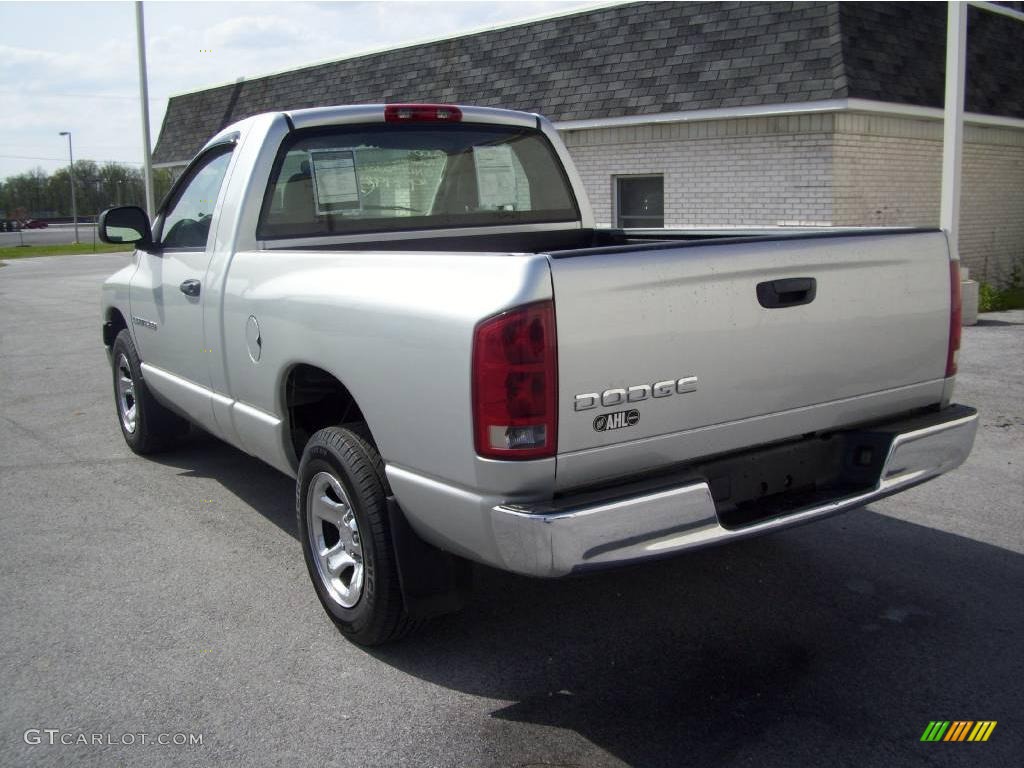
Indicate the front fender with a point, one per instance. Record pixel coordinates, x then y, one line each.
115 299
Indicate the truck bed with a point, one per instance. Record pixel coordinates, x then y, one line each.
583 242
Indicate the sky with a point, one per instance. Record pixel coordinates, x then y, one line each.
73 66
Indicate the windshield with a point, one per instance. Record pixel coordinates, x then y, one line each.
390 177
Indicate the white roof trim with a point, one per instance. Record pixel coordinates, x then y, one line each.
723 113
776 110
930 113
1002 10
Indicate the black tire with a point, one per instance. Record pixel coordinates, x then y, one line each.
155 427
377 614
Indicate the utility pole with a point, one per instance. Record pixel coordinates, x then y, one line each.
147 162
74 205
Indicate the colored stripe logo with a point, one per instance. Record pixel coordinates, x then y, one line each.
958 730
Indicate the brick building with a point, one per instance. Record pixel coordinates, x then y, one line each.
716 114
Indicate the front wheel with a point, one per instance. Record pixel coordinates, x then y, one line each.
147 426
340 501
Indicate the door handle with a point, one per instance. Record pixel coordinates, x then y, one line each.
190 287
789 292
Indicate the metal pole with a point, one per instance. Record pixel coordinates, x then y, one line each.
953 124
147 163
74 205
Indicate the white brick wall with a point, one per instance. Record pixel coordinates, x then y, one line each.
717 173
888 171
886 181
846 169
992 210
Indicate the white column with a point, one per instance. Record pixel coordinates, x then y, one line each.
953 133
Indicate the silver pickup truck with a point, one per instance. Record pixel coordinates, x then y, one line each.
409 309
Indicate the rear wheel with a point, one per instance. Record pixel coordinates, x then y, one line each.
341 507
147 426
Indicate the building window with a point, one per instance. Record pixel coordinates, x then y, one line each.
640 201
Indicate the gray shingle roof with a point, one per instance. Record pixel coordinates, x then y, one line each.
896 52
640 58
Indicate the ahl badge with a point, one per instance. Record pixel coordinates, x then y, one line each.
608 421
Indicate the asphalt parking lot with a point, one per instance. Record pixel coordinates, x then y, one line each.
169 596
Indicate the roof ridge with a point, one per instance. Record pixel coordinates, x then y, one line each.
840 82
420 42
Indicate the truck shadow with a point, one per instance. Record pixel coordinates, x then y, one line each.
834 643
262 487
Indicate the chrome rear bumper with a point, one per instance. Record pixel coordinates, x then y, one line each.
591 531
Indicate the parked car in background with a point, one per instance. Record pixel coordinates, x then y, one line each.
35 224
409 309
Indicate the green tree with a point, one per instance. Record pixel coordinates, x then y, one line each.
26 190
97 187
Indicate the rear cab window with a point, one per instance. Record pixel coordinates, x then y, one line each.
381 177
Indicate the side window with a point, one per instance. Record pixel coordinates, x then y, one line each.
187 220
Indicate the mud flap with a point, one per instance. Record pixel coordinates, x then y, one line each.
433 582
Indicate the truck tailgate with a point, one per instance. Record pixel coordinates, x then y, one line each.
631 319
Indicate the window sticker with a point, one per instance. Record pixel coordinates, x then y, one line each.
335 182
495 178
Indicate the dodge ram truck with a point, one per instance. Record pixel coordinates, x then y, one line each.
409 309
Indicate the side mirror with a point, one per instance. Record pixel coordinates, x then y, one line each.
126 224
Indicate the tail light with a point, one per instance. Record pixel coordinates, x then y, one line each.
955 318
421 113
515 384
